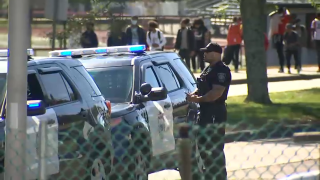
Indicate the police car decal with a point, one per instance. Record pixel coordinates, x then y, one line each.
160 122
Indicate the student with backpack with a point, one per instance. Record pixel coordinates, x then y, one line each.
155 38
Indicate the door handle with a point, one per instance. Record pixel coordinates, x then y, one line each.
167 106
83 113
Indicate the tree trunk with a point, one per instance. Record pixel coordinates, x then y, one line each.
253 17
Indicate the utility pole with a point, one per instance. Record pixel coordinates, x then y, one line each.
54 23
16 119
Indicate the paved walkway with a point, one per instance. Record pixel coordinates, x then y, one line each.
262 160
274 73
241 89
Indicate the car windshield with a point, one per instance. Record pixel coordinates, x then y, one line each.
115 83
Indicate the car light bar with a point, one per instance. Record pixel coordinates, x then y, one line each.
102 50
5 52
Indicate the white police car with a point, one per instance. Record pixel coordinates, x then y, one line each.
147 94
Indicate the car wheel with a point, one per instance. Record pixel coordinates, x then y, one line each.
99 165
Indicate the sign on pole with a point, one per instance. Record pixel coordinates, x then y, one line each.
62 9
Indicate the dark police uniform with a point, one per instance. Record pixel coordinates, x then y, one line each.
213 116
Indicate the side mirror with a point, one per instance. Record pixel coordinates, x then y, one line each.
145 89
157 94
35 108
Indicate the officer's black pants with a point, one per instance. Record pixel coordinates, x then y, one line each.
210 141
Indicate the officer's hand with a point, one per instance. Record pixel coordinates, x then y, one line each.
192 53
192 98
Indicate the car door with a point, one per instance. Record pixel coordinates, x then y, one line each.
160 117
71 110
176 89
35 92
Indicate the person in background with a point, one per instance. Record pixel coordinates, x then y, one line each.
202 37
234 40
155 38
135 34
301 31
89 38
278 21
185 43
291 44
117 37
315 28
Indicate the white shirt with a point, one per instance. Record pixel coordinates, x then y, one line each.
316 26
154 39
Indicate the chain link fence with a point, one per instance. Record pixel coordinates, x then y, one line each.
133 153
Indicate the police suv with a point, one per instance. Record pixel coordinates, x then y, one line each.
62 93
147 91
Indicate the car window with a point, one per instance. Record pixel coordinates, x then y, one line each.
57 92
186 71
89 81
151 78
70 90
168 78
34 92
115 83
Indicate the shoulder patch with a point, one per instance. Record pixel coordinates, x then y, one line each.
221 77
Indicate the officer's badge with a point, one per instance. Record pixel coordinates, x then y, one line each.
221 77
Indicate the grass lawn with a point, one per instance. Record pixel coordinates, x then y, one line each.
288 107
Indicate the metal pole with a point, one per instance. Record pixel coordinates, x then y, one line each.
16 120
43 129
54 23
185 153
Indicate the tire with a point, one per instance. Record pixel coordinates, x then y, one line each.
99 164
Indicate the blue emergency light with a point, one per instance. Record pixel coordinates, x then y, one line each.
34 104
6 52
100 50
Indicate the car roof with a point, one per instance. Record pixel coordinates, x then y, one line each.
117 59
42 60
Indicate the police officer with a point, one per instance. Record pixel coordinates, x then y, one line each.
212 92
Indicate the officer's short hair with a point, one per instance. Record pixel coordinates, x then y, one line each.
153 24
134 18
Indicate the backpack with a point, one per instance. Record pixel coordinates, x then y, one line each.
159 36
